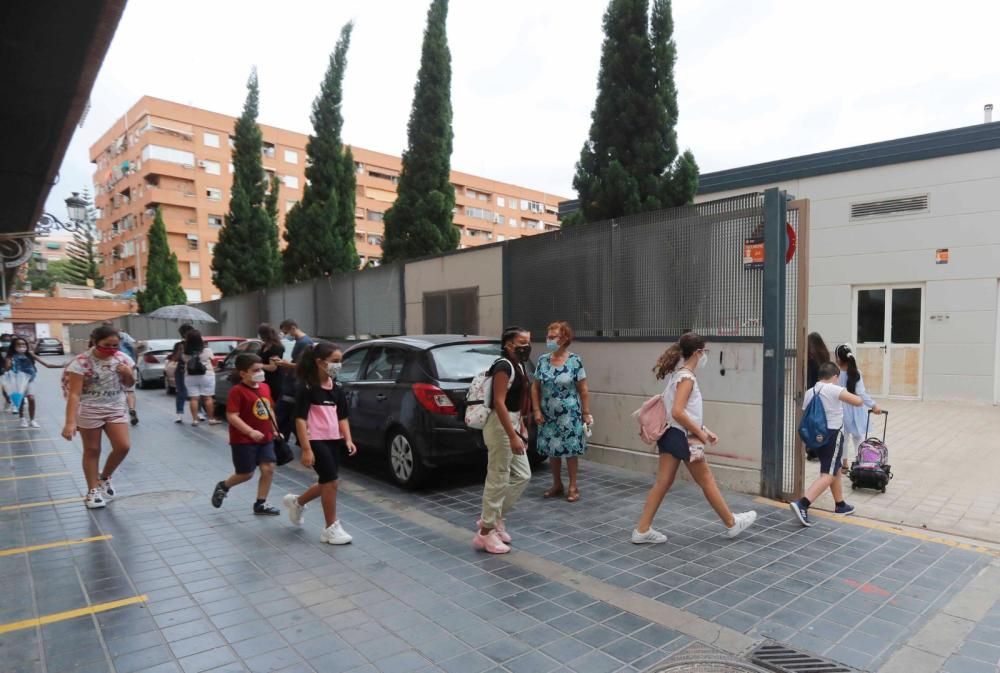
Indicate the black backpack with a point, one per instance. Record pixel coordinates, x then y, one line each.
195 367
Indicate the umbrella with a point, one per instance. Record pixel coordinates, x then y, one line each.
16 385
182 312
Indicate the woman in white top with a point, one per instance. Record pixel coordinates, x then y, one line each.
685 440
199 376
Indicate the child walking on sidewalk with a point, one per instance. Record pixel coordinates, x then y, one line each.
321 423
831 453
249 411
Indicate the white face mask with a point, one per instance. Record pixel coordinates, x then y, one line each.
258 377
21 349
333 369
703 362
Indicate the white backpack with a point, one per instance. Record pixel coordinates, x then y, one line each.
479 399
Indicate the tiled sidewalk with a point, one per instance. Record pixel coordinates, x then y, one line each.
227 591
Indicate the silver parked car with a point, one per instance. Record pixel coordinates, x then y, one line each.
152 358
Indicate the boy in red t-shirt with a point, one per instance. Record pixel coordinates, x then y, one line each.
251 430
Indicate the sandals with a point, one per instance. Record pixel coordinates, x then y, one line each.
554 492
573 495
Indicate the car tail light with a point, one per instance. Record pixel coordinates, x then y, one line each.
150 359
434 400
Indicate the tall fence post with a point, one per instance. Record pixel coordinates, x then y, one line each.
773 314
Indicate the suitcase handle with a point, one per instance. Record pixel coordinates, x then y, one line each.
884 427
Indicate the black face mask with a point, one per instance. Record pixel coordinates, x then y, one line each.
523 353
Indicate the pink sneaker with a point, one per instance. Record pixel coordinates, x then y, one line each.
500 529
490 543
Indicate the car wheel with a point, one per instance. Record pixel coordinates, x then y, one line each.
405 465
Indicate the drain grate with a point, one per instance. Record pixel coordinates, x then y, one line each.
783 659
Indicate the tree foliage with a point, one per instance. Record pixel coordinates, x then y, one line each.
319 230
246 257
419 223
84 261
630 162
163 275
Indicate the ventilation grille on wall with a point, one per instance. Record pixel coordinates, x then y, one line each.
906 204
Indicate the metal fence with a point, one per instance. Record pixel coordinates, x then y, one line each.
796 315
651 275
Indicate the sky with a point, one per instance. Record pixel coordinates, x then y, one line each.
757 81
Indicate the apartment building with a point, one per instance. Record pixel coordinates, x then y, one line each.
178 157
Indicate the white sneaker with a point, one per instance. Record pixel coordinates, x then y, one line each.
107 490
335 534
295 510
34 424
201 416
649 537
179 418
23 423
743 521
95 500
14 410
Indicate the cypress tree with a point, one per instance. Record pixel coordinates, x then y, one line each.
246 257
630 162
319 230
163 277
420 221
83 260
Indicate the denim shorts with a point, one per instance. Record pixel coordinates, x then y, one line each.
675 442
246 457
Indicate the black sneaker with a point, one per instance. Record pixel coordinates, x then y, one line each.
219 494
801 513
132 415
266 509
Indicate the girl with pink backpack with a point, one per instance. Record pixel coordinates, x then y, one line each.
684 440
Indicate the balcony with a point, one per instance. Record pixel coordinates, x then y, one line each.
174 197
167 168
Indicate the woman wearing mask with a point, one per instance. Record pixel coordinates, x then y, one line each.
96 382
685 440
19 359
855 418
199 377
561 402
272 352
507 469
321 421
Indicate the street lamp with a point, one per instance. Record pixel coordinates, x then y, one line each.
79 218
76 207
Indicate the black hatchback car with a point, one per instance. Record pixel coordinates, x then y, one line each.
407 398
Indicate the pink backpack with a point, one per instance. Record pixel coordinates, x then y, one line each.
652 419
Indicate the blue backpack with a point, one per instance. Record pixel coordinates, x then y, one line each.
812 427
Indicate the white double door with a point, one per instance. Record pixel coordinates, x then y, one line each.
888 336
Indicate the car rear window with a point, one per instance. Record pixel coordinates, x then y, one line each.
221 347
461 362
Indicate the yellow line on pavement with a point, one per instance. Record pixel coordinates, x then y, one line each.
70 614
34 455
63 501
52 545
886 528
35 476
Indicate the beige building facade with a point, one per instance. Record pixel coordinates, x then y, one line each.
178 158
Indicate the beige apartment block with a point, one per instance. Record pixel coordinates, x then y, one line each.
178 157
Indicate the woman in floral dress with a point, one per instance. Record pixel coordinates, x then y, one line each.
562 408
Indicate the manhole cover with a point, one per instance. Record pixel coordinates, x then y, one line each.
697 658
784 659
154 499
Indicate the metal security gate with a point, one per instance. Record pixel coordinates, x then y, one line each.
796 316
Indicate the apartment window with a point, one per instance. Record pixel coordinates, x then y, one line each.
374 239
359 212
291 181
501 237
194 270
216 295
192 242
480 234
215 221
213 194
359 167
193 296
291 157
478 213
380 194
168 154
501 203
452 312
211 250
267 149
212 167
384 176
232 142
289 204
210 139
232 169
536 207
524 204
375 216
476 194
512 222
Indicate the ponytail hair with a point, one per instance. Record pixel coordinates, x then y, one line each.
683 349
307 371
845 356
